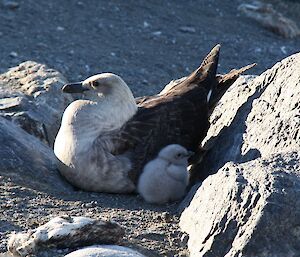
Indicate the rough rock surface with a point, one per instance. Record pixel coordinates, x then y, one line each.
30 96
105 251
263 119
25 160
250 207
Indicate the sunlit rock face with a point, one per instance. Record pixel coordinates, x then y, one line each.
250 207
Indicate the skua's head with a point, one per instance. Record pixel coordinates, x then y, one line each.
100 84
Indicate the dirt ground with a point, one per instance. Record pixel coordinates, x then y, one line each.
148 43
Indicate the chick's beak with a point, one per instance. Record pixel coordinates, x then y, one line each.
190 153
77 87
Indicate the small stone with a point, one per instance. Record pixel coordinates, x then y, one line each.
257 50
9 103
13 54
187 29
41 44
113 54
167 217
11 5
87 68
59 28
1 34
146 24
156 33
283 49
184 239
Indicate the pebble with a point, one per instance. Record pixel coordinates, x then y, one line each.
156 33
8 103
59 28
87 68
146 24
41 44
257 50
187 29
11 5
283 49
184 239
13 54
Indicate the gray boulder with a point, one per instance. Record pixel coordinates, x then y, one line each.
250 207
248 210
257 117
31 106
30 96
25 160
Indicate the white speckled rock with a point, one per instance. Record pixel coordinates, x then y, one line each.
105 251
63 232
30 96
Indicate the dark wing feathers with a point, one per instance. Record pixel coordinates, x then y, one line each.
204 75
177 121
179 116
224 82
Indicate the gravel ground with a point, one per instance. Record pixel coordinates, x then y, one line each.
148 43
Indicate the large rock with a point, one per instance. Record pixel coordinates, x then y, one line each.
31 106
257 117
25 160
250 207
30 96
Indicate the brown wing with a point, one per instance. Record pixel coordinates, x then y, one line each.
178 117
175 120
224 82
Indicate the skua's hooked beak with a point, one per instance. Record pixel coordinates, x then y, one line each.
77 87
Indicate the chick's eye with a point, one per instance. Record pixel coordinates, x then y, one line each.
178 155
